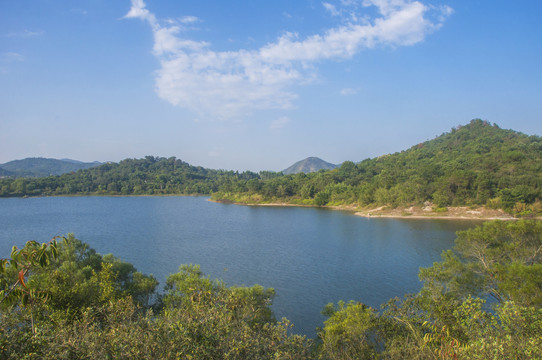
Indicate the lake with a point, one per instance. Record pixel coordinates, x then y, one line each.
310 256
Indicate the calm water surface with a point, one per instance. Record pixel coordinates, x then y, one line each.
310 256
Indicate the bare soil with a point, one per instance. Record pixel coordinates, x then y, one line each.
428 211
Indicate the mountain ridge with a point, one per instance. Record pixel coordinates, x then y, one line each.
308 165
41 167
473 165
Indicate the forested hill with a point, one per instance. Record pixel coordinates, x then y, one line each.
39 167
310 164
147 176
4 172
476 164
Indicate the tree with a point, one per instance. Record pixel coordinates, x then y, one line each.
91 311
446 320
22 263
350 332
498 259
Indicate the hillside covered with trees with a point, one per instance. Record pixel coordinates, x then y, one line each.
62 300
147 176
476 164
308 165
39 167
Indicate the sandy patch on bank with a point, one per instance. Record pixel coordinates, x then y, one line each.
427 212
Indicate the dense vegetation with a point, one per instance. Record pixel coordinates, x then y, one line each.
5 173
148 176
38 167
476 164
64 301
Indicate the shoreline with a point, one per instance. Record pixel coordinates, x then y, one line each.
101 195
413 212
418 213
436 217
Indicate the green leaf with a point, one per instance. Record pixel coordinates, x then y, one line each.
3 264
14 252
24 299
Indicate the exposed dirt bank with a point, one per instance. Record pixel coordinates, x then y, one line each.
414 212
452 213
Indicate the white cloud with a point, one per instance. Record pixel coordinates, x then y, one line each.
11 57
189 19
445 12
79 11
279 123
24 34
228 84
138 11
331 8
348 91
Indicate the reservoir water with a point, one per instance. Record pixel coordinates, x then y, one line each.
309 256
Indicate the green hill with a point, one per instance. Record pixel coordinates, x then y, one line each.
477 164
147 176
5 173
308 165
39 167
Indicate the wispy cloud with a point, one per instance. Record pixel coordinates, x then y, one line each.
24 34
11 57
227 84
348 91
189 19
331 8
279 123
79 11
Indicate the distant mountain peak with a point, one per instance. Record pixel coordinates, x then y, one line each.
39 166
310 164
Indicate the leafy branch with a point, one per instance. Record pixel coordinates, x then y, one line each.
22 261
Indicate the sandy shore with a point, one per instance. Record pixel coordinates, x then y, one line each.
452 213
427 212
431 216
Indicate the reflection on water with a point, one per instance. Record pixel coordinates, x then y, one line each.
310 256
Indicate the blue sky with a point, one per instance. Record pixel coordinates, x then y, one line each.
258 85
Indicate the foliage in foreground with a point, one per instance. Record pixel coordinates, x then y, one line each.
92 306
445 320
96 307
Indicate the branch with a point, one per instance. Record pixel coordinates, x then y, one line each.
13 287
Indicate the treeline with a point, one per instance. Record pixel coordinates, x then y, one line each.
62 300
148 176
476 164
39 167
